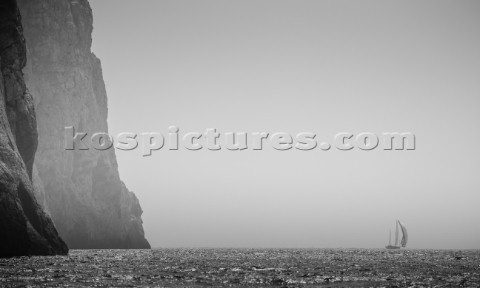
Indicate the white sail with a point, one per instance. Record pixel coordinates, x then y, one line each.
404 233
399 227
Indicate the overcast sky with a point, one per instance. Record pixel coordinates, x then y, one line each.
295 66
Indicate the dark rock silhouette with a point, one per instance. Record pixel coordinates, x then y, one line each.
25 228
82 190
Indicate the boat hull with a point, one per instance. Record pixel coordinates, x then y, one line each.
392 247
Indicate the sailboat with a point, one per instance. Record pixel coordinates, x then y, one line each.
403 242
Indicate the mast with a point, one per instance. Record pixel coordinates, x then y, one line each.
390 238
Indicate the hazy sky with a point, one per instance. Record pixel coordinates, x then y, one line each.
295 66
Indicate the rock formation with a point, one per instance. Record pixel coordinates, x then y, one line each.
25 228
81 189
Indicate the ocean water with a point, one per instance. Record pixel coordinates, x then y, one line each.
246 268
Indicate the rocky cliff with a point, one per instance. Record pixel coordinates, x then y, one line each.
25 228
81 189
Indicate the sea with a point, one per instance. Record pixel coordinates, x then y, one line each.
233 267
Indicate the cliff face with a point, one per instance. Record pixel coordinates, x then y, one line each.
82 190
25 228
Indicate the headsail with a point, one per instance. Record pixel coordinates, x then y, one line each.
405 235
396 233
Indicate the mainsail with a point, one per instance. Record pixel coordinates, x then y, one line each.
404 233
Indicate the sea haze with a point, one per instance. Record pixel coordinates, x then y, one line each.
293 66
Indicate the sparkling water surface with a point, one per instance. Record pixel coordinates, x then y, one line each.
246 268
